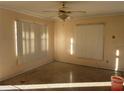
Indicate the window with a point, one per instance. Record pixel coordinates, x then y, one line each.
24 42
89 41
44 39
31 37
25 38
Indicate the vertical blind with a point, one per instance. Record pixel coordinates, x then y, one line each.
89 41
32 40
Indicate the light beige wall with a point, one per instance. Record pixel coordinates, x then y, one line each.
114 25
8 62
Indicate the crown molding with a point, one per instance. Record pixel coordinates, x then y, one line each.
27 12
102 15
31 13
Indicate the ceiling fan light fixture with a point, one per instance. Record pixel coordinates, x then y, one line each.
63 16
63 12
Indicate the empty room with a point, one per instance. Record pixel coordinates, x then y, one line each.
61 45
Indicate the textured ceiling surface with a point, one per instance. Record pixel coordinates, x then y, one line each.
92 8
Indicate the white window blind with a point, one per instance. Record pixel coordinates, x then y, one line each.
30 45
89 41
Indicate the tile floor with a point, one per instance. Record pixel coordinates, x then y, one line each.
58 72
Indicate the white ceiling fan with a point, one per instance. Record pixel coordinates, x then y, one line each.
63 13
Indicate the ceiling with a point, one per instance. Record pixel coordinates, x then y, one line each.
92 8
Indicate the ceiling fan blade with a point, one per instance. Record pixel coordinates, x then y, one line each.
78 11
49 11
68 11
